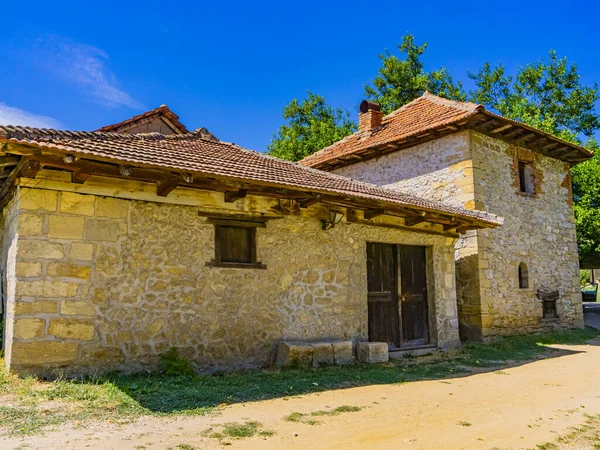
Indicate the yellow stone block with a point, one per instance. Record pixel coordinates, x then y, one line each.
81 252
36 307
30 224
73 203
155 326
115 208
102 230
29 328
75 308
65 227
32 249
45 288
82 330
43 352
35 199
60 269
25 269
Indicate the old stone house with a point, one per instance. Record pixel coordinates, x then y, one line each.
118 246
519 278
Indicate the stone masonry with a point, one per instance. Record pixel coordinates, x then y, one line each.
101 283
479 172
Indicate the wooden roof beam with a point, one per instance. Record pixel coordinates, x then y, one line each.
501 128
232 196
412 221
372 213
165 187
309 201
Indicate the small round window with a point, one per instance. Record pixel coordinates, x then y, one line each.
523 276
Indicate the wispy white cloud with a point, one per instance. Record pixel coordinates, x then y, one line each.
86 67
9 115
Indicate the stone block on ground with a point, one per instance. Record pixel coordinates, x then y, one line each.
296 354
342 352
322 353
372 352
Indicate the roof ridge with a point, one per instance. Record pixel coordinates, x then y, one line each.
467 106
153 112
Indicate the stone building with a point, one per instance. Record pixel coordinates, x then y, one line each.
519 278
116 247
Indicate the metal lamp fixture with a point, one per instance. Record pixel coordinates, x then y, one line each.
335 217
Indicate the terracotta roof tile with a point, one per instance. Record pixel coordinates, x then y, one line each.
424 114
195 154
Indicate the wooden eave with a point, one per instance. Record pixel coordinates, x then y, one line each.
487 123
25 160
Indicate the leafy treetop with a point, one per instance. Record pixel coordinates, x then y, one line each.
311 125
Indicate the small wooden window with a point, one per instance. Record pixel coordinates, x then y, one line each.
526 178
523 276
235 245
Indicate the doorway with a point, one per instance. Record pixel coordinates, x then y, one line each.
397 295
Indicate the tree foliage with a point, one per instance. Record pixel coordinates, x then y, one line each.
545 94
403 78
549 95
311 125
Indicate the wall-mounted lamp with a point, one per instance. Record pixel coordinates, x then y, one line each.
335 217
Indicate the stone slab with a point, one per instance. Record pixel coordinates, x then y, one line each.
322 353
372 352
342 352
295 354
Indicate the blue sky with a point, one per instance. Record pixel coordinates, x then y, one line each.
231 66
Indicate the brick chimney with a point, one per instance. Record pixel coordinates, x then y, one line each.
369 116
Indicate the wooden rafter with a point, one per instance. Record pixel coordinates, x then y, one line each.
412 221
233 196
165 187
372 213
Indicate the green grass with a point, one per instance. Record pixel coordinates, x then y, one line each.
586 436
304 418
30 406
236 430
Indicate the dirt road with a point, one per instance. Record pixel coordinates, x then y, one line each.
513 408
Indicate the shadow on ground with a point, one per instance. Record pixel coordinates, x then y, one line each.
194 394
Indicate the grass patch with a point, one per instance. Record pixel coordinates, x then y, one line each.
586 436
236 430
30 406
462 423
305 418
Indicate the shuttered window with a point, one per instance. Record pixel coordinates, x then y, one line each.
235 245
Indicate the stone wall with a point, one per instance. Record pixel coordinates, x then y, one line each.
539 230
109 283
439 170
475 171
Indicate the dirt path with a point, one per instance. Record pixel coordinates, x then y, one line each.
513 408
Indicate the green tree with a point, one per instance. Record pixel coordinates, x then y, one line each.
549 95
586 194
545 94
403 78
311 125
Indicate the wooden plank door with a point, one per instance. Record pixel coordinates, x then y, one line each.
383 294
413 295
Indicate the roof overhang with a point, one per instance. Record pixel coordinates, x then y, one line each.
481 120
27 159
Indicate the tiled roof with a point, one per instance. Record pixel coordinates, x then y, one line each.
192 153
414 120
162 110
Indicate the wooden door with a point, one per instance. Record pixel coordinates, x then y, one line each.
382 283
413 295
